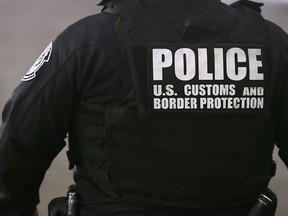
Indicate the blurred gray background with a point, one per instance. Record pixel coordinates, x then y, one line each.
27 27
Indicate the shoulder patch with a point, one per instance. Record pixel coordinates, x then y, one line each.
44 57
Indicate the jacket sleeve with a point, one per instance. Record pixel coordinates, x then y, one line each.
35 123
282 105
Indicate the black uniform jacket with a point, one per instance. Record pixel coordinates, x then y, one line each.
84 64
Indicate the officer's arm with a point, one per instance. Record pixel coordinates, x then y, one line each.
35 123
282 107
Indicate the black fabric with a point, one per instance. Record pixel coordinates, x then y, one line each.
168 179
136 130
96 202
135 163
88 82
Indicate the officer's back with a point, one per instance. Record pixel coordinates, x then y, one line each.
172 108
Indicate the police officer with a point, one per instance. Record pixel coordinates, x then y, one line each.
172 108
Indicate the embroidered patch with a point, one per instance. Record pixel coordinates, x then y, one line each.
44 57
208 79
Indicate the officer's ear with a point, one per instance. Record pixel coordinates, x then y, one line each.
256 6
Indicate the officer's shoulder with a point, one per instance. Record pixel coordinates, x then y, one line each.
93 22
280 33
93 29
